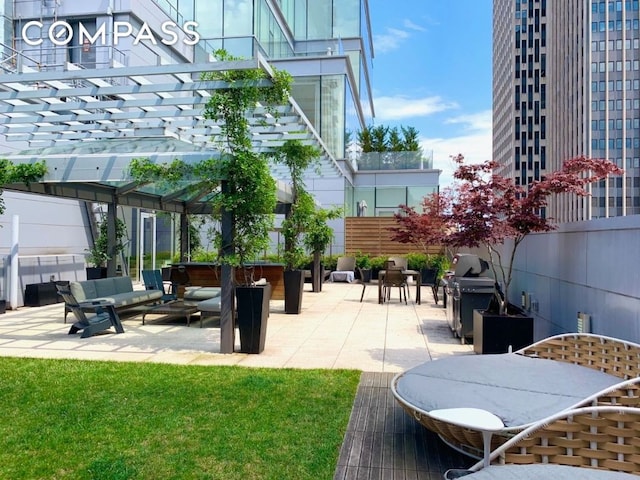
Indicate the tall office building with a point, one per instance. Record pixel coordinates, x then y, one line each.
567 83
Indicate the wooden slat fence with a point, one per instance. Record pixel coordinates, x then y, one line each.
371 235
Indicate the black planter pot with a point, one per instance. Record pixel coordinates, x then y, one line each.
495 333
317 280
253 311
293 288
428 276
3 306
366 273
93 273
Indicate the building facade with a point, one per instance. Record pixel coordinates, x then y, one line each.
566 83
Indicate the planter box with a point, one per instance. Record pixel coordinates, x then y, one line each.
94 273
40 294
253 311
494 333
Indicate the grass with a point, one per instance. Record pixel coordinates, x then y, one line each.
67 419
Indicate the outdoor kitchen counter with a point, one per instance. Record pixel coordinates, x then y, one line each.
206 274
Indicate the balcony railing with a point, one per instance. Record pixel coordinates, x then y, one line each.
393 161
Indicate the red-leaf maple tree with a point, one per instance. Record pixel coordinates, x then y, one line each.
485 209
427 228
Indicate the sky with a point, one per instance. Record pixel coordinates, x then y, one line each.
432 71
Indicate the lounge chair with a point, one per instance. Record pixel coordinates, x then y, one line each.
345 270
589 443
521 388
105 315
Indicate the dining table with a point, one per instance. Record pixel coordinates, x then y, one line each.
415 274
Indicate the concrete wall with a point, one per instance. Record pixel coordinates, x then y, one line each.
591 267
47 225
40 269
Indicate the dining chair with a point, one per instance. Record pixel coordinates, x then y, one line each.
394 277
364 282
401 262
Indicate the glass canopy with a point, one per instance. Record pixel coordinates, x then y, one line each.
88 124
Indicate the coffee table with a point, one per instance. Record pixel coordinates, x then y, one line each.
176 308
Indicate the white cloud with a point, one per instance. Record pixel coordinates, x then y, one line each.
390 40
477 121
412 26
401 107
473 141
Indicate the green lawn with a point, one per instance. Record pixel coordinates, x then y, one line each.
66 419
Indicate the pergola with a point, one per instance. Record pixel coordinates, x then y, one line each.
88 124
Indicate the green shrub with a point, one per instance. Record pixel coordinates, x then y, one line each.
363 260
417 260
330 262
377 263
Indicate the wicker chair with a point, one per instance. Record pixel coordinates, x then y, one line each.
612 356
585 443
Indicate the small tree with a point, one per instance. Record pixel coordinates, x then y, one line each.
489 208
297 157
427 228
318 236
99 255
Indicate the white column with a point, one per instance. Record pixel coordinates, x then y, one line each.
13 263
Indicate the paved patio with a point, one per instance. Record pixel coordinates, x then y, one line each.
334 331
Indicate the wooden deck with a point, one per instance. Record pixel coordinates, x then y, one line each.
383 442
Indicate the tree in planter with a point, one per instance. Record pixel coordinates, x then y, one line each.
363 263
317 238
98 255
489 208
247 198
424 230
297 158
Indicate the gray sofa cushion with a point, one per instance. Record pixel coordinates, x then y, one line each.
132 298
201 293
118 290
210 306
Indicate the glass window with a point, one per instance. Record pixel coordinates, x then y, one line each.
238 18
416 194
390 197
209 17
332 117
346 18
319 19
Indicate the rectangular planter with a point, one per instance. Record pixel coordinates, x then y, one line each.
493 333
40 294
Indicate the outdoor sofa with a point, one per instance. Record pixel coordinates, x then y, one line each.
118 290
520 388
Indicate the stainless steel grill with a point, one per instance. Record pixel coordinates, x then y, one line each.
468 288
